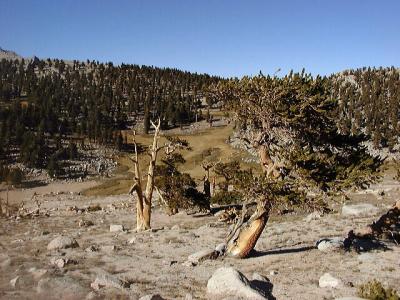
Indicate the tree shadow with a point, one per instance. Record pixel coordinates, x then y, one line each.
256 253
32 184
365 245
216 209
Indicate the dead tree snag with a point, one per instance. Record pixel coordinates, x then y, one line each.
143 204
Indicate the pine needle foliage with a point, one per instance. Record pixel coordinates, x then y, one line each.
295 115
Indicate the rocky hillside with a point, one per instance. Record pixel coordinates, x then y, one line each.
9 55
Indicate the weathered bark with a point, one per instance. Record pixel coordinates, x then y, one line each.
207 188
268 166
242 239
206 179
246 232
150 178
143 204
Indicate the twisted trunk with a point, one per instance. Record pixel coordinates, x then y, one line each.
245 234
143 204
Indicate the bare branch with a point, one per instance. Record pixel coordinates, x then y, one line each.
133 188
156 127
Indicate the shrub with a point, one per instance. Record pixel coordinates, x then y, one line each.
227 197
15 176
374 290
11 175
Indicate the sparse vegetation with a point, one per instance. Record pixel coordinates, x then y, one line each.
374 290
13 176
227 197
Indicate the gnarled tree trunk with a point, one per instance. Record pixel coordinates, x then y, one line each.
268 166
245 234
143 204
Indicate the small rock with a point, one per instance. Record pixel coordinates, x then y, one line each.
62 242
175 227
362 209
330 244
273 272
91 295
200 256
220 248
328 281
14 282
58 262
228 282
110 248
61 262
92 248
85 223
116 228
152 297
106 280
132 240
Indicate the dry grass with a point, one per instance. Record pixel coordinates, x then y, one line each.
208 144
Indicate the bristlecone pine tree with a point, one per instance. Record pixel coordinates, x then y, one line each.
304 156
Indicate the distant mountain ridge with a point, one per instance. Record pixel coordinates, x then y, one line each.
8 54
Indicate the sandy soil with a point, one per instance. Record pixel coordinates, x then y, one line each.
153 261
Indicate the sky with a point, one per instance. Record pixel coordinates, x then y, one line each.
228 38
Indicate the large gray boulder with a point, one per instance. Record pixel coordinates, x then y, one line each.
62 242
362 209
330 244
231 284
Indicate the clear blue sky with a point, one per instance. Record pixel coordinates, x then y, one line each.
221 37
